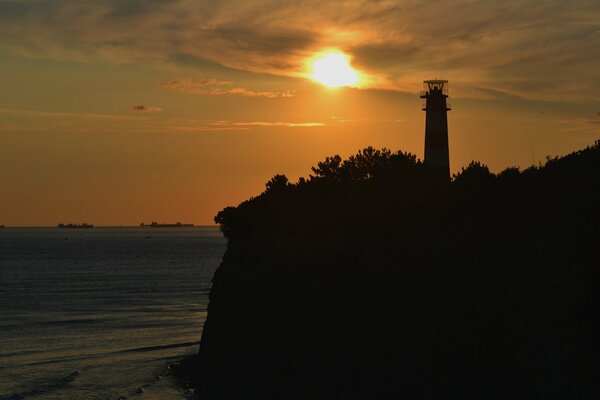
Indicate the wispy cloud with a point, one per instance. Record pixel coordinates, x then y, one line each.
580 126
251 93
142 108
269 123
54 114
542 50
214 87
192 128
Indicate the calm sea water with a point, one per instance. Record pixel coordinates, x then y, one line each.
99 313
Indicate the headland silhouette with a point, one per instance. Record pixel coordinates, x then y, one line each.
374 279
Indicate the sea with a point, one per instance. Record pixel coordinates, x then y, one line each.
102 313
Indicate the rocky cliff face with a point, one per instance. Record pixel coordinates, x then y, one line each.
371 280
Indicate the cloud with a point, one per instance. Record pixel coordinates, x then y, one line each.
215 87
66 115
252 93
530 49
191 128
288 124
265 123
587 127
188 85
142 108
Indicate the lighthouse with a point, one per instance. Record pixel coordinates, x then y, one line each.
436 107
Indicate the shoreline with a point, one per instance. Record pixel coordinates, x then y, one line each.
183 372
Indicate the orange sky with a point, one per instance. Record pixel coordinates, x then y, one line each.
118 112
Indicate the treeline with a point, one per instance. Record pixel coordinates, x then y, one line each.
390 193
374 279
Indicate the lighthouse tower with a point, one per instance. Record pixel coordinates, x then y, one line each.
435 93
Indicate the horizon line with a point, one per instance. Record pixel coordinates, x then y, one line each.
106 226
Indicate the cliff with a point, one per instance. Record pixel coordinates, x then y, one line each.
372 279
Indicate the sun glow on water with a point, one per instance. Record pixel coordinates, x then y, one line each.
333 69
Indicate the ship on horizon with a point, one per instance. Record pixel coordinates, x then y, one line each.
175 225
76 226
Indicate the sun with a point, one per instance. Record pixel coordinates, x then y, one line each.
333 69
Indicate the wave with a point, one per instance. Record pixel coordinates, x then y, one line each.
111 353
49 387
110 320
60 322
159 347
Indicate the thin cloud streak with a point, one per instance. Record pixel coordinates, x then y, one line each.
185 128
52 114
265 123
581 126
214 87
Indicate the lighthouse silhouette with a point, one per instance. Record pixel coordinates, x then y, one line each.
435 93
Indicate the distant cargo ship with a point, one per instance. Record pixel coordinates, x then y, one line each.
175 225
76 226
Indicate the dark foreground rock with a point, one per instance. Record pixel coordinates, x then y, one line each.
374 280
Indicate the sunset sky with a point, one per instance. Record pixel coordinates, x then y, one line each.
115 112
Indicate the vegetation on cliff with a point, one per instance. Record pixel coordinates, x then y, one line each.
373 279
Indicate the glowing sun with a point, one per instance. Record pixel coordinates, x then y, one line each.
333 69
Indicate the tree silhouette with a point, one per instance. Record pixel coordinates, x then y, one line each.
278 183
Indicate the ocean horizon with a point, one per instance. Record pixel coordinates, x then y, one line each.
101 313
